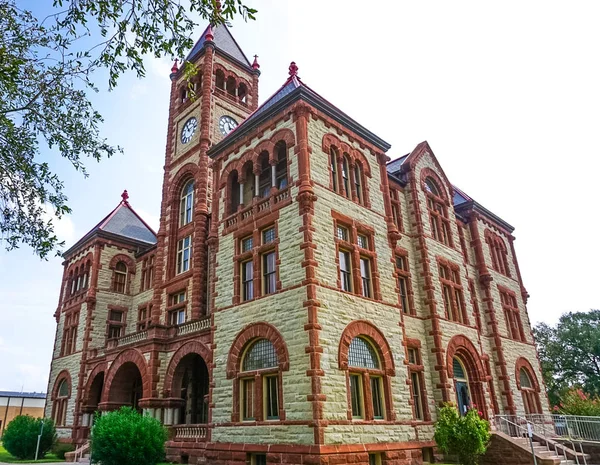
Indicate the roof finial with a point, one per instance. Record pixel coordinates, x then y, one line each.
175 68
209 33
255 65
293 69
125 196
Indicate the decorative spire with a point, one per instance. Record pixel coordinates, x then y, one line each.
255 65
293 69
125 197
174 69
209 33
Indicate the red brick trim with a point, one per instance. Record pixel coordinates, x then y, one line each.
365 328
99 368
522 362
128 355
129 262
249 334
192 347
63 375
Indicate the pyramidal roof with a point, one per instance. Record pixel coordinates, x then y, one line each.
122 221
294 89
223 41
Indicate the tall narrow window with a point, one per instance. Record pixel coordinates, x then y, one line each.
269 278
120 278
365 380
531 400
334 169
116 324
248 280
69 339
415 371
281 181
144 317
346 176
184 254
358 183
365 276
452 292
403 279
345 271
416 394
186 203
438 213
512 315
259 365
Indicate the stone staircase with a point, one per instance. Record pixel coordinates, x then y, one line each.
546 454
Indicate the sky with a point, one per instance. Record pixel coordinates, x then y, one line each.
506 93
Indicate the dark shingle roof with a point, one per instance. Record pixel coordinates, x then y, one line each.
28 395
394 166
292 90
224 41
123 221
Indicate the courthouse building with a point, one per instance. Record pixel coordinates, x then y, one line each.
305 299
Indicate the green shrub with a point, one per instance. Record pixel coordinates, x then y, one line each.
466 437
61 448
126 437
21 435
577 402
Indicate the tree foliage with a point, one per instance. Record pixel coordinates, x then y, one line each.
570 354
47 67
466 437
577 402
21 435
125 436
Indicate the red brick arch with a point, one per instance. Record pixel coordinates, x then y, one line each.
444 186
236 165
249 334
125 259
367 329
82 261
522 362
192 347
128 355
63 375
99 368
185 173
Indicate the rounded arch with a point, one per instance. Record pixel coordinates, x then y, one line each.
235 165
64 375
370 331
437 179
99 368
462 347
330 140
251 333
125 259
127 356
523 363
265 146
286 135
360 158
185 173
87 258
192 347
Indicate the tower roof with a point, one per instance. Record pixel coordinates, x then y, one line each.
223 41
124 222
294 89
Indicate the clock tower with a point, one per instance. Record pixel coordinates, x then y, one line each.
203 110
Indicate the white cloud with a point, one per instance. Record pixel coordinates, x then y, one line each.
63 227
152 220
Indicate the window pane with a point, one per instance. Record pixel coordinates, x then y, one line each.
416 388
181 317
268 235
272 398
459 372
269 275
248 280
333 166
355 395
63 390
362 241
248 399
524 378
376 396
247 244
342 233
412 356
365 274
261 355
403 295
345 275
361 354
116 316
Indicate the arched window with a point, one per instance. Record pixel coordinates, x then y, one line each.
231 87
498 253
281 180
531 400
358 183
365 380
120 278
220 79
183 95
265 177
346 176
333 168
243 93
259 382
438 212
59 409
461 384
186 203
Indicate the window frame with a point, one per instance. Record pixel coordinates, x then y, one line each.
455 308
144 319
186 203
418 393
180 257
114 324
512 315
120 279
403 280
70 326
439 221
60 403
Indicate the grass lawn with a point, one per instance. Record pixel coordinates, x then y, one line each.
6 457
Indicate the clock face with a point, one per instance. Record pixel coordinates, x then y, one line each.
189 128
227 124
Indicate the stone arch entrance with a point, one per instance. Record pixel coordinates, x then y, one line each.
125 383
465 369
190 384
